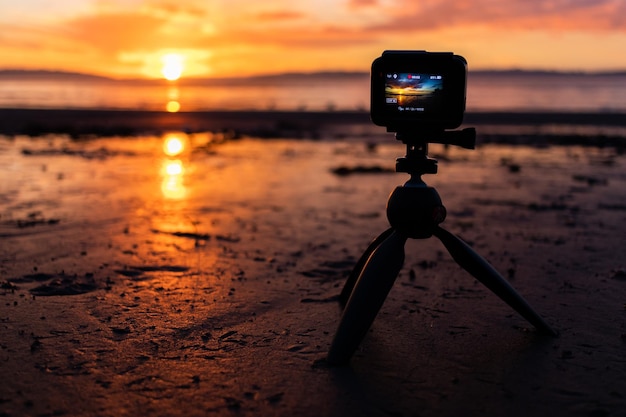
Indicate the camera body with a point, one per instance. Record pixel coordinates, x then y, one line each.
418 90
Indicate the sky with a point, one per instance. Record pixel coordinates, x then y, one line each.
239 38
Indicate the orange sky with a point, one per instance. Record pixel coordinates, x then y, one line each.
128 38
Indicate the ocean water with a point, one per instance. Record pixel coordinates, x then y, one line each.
487 91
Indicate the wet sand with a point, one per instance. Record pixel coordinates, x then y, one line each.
133 283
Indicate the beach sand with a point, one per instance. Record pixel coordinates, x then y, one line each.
133 283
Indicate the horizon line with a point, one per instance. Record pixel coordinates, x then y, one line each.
8 72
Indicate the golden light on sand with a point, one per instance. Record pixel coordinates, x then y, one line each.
172 106
172 185
173 168
173 145
173 66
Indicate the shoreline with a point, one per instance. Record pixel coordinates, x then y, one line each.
295 124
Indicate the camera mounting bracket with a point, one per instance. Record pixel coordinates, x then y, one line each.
416 161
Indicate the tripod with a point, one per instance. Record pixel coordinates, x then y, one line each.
414 210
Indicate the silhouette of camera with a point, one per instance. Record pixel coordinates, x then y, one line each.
418 90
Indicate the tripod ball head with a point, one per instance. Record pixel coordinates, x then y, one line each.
415 211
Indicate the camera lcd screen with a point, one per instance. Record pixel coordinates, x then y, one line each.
414 92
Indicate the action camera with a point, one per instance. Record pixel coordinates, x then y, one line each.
418 90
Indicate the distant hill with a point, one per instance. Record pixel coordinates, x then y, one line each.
16 74
526 72
47 74
293 77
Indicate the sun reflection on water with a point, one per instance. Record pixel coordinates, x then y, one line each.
172 184
173 102
172 106
174 144
173 170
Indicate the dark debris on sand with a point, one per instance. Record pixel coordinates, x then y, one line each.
57 284
343 171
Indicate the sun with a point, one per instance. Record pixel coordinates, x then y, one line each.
172 67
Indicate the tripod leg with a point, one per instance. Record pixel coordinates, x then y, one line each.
371 289
356 271
485 273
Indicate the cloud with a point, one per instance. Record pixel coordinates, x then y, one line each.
357 4
102 41
278 15
165 24
424 18
173 9
126 31
555 15
112 33
329 36
125 36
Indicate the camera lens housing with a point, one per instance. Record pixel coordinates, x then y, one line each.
418 90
